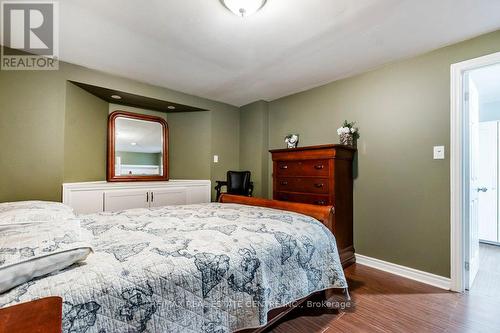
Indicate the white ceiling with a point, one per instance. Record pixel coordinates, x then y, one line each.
138 136
487 80
199 47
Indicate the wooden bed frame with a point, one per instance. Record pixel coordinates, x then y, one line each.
324 214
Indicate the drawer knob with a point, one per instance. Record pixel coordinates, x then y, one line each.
320 202
320 185
319 166
284 183
283 166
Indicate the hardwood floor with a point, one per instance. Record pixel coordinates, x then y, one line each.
382 302
487 281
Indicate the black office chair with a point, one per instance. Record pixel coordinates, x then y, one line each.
237 183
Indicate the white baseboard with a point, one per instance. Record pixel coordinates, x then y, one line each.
407 272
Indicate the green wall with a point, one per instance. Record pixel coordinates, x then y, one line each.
31 135
84 136
254 126
190 145
53 132
401 195
225 129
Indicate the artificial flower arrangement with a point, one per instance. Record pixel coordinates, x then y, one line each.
348 133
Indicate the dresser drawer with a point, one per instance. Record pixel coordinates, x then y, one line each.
314 168
305 185
315 199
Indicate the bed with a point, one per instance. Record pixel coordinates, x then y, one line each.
218 267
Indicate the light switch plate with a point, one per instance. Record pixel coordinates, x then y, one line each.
439 152
216 158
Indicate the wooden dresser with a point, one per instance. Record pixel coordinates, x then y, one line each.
319 175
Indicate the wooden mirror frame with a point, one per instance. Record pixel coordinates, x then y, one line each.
110 169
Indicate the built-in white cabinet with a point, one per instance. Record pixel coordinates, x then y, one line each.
170 196
125 199
93 197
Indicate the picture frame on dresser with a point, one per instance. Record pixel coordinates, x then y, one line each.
319 175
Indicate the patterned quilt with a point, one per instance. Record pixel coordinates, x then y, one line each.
195 268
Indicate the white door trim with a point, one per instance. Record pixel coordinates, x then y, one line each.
457 177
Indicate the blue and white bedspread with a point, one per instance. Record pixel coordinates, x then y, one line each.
196 268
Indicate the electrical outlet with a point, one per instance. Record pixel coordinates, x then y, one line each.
439 152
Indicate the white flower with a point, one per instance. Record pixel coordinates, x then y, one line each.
347 130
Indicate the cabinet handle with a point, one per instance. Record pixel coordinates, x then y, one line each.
284 183
152 197
147 196
319 166
283 166
320 202
320 185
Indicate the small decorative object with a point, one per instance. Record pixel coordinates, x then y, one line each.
348 133
292 140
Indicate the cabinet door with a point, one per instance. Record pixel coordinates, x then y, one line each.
168 197
198 194
117 200
86 202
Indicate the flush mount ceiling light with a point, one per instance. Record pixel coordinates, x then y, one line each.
244 8
116 97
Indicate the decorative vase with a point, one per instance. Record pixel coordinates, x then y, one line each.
347 140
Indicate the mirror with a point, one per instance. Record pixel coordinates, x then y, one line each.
137 147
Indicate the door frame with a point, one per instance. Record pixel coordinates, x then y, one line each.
459 181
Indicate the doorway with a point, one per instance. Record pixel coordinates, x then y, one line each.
482 103
475 142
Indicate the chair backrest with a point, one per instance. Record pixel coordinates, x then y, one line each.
238 182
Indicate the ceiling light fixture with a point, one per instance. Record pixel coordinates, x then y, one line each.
116 97
244 8
133 143
171 107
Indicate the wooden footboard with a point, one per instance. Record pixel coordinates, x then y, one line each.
322 213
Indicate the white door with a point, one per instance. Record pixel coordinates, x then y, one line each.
117 200
472 255
488 171
168 197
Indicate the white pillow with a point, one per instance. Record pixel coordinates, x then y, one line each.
30 250
34 211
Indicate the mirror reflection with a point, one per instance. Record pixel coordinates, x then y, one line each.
138 147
